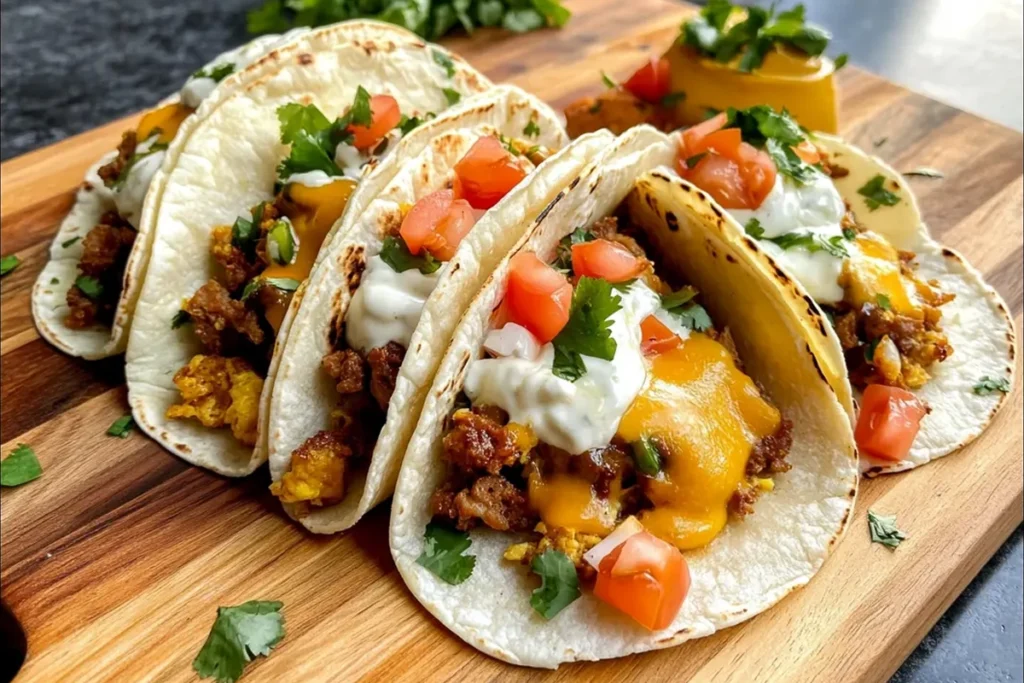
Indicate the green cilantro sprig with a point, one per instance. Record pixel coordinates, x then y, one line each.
987 385
239 635
216 73
755 36
9 263
89 286
442 554
588 331
776 132
563 256
883 530
429 18
20 467
396 254
875 194
691 314
559 587
122 427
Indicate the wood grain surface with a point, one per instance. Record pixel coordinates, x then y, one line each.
117 558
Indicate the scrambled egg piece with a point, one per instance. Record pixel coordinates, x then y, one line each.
219 391
220 242
569 541
317 472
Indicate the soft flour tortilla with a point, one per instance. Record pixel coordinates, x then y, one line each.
222 163
977 322
93 199
752 564
305 396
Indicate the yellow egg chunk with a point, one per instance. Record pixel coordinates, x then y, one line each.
874 271
803 85
167 119
708 415
317 210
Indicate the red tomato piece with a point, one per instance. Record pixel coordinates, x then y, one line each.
695 133
419 224
452 228
726 142
646 578
889 420
652 81
758 172
384 115
656 337
538 296
720 178
607 260
487 172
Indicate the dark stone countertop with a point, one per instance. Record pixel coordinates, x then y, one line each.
68 70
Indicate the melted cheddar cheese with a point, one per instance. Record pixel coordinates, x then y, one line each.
316 211
166 119
708 415
875 272
565 500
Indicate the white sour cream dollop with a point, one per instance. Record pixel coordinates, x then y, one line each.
573 416
387 305
130 194
815 207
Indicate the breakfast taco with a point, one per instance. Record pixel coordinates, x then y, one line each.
926 344
246 197
83 298
376 317
629 442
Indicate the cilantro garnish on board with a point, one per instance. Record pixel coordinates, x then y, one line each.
875 194
239 635
8 263
713 35
442 554
122 427
560 585
396 254
588 331
20 467
883 530
314 138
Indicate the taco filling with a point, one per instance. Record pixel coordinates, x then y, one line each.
93 297
762 167
384 310
611 421
265 256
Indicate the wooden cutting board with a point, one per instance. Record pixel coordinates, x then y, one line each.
117 558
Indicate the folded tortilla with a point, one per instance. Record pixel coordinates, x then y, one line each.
223 162
753 563
304 395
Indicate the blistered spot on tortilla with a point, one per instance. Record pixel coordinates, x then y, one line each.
672 221
455 268
519 106
353 263
816 366
547 209
390 223
661 176
87 186
779 273
1013 351
576 181
419 346
730 258
651 201
305 58
182 447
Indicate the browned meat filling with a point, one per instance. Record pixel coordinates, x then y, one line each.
105 252
111 171
766 459
492 499
223 325
884 347
345 367
385 362
238 266
616 109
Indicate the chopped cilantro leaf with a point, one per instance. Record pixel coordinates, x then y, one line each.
531 129
812 242
216 73
754 229
54 281
559 584
695 159
691 314
285 284
407 124
281 242
788 163
453 96
245 233
607 80
239 634
360 113
841 61
883 302
153 148
67 243
313 138
987 385
121 427
646 456
89 286
396 254
182 317
20 467
588 331
875 194
672 99
760 123
563 260
883 530
442 554
444 61
849 233
8 263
